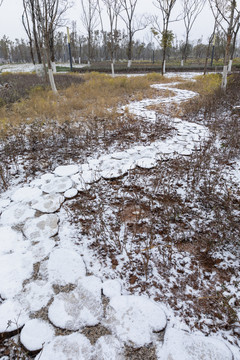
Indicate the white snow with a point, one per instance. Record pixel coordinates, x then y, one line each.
36 295
26 194
11 241
13 271
146 163
64 267
42 248
57 185
4 203
42 227
35 334
179 345
69 347
16 214
48 203
12 316
133 319
71 193
66 170
80 307
108 347
112 288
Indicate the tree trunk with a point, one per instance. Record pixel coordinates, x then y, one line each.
164 60
129 50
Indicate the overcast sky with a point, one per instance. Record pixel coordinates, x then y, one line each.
11 25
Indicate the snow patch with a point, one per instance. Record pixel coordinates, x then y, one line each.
65 267
80 307
35 333
179 345
74 346
66 170
134 318
42 227
48 203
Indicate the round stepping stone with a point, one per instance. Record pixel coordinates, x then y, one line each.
35 334
74 346
4 203
71 193
65 267
108 347
26 194
66 170
78 308
111 288
113 169
16 214
146 163
90 176
57 185
36 295
81 184
12 316
82 188
37 183
11 241
178 344
42 227
120 155
133 319
48 203
15 268
42 248
47 177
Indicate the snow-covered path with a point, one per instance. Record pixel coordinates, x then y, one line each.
45 282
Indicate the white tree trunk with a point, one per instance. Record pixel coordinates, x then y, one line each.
182 62
54 67
52 82
224 77
230 66
112 66
164 66
129 63
79 59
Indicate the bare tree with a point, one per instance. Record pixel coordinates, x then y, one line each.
191 10
230 14
27 27
90 21
48 15
133 23
113 8
166 7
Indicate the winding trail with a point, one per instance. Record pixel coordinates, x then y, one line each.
33 262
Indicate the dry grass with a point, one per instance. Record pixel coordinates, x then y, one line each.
208 88
204 85
99 96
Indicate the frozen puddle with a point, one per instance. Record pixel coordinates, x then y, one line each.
29 226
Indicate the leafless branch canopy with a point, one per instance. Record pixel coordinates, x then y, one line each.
191 10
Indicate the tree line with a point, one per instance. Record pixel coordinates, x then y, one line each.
18 51
42 20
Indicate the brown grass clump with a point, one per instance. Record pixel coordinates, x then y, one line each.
98 96
207 86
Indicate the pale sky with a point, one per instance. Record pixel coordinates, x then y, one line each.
11 24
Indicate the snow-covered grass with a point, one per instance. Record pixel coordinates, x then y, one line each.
151 239
29 68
